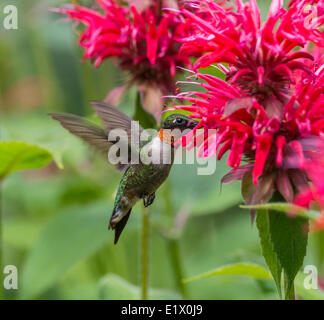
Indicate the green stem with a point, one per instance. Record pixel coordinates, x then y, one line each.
289 295
174 252
145 253
174 249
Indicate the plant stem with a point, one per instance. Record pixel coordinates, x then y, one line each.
289 295
174 252
174 249
145 253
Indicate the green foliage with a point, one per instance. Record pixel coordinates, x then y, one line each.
205 195
72 235
284 243
319 248
286 208
289 238
22 233
16 155
55 222
262 222
44 132
113 287
241 269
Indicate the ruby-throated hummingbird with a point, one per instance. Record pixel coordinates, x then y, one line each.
140 180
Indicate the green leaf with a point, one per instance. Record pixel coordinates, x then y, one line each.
16 155
243 269
262 222
113 287
46 133
145 119
73 235
289 238
285 207
21 233
319 248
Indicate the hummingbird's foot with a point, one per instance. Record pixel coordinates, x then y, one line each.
148 199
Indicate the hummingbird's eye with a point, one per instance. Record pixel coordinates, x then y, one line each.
178 121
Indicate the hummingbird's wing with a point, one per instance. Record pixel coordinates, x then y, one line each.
89 132
84 129
113 118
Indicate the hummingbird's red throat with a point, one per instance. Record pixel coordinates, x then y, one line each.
166 136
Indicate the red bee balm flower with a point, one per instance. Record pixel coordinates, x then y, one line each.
261 57
309 17
313 196
260 112
141 36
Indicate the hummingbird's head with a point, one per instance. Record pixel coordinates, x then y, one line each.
176 126
179 121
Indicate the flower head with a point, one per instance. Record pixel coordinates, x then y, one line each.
269 111
141 36
261 56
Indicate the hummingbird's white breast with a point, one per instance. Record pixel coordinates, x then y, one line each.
161 152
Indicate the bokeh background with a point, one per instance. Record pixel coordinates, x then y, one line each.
55 219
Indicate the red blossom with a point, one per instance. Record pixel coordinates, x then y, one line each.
261 56
140 36
313 196
308 17
143 41
269 111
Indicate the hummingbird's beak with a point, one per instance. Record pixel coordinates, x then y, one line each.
192 124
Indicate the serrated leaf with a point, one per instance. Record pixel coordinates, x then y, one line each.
72 235
289 238
262 222
285 207
242 269
16 155
113 287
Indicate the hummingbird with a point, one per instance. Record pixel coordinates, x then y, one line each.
140 180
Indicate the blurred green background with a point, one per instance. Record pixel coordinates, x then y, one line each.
55 219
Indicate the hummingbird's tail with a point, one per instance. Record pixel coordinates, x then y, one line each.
119 226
